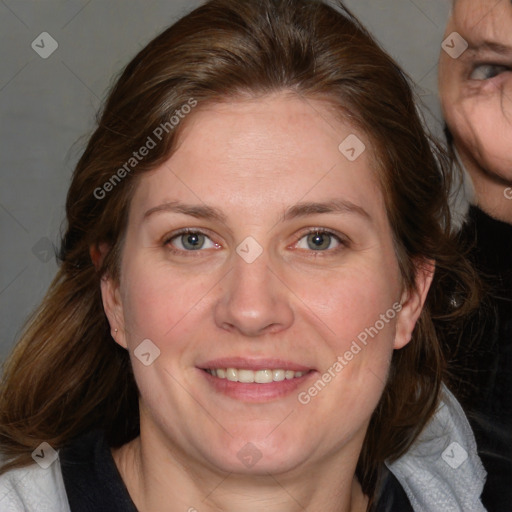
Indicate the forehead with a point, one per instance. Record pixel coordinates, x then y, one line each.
482 20
272 151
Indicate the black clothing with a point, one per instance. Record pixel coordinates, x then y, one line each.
91 478
482 367
390 496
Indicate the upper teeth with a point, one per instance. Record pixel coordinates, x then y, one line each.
259 376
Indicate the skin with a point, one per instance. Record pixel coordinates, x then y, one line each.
252 160
476 98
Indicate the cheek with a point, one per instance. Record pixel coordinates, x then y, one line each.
484 125
359 339
353 304
156 300
365 333
493 134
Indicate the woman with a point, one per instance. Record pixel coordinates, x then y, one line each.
256 260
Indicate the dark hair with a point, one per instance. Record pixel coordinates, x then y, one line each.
66 374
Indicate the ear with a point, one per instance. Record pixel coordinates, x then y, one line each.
412 302
113 307
110 295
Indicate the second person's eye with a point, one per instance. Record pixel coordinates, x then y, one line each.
487 71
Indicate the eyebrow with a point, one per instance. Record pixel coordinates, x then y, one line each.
198 211
492 46
332 206
296 211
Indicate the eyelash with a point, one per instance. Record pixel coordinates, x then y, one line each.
181 232
502 68
343 241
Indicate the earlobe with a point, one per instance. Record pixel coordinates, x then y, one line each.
412 302
113 307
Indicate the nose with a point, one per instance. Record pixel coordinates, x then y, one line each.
254 301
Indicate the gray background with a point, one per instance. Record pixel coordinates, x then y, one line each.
48 107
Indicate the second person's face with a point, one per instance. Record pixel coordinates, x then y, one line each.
476 87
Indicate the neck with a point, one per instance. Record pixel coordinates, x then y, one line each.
167 480
493 194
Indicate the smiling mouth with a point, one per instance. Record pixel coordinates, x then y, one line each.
254 376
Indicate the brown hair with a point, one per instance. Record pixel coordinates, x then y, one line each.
66 374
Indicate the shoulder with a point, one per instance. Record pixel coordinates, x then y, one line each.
33 489
442 469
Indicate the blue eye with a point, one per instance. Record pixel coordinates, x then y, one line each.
191 241
319 241
487 71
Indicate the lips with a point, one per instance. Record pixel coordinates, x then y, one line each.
243 363
255 380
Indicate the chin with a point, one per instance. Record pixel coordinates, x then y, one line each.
253 457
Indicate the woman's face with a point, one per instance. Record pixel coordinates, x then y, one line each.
287 264
476 86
